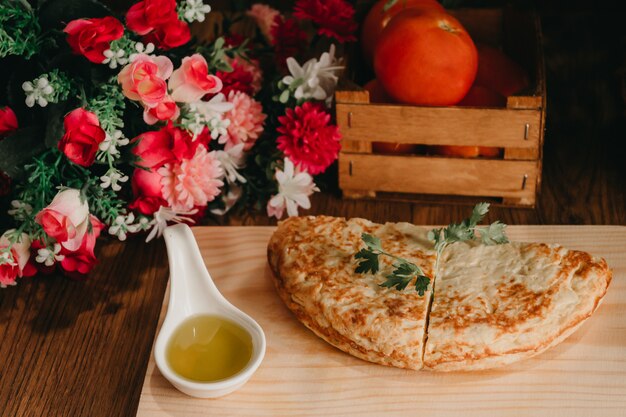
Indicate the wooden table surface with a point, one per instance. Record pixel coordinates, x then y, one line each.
71 348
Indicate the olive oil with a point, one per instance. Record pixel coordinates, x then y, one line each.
208 348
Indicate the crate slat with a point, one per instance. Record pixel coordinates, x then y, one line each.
432 175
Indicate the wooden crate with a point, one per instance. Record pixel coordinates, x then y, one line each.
518 128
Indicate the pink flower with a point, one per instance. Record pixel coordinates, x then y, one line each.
192 80
14 261
265 18
246 120
65 219
246 76
193 182
91 37
334 18
308 139
165 110
144 79
82 260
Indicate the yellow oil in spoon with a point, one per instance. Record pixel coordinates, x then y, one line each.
208 348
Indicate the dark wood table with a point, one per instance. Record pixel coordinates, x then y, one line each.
71 348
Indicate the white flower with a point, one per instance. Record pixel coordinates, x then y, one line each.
111 142
112 178
164 215
194 10
210 114
20 210
48 256
38 91
232 159
114 58
294 189
141 49
121 225
234 193
315 79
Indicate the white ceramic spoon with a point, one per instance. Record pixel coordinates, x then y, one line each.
192 292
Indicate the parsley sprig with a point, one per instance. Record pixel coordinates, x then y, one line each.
405 271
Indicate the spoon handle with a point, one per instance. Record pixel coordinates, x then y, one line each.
190 281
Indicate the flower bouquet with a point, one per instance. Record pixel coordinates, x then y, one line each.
125 121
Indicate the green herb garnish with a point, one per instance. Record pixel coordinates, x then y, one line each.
405 271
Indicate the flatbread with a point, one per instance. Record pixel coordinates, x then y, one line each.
313 263
492 305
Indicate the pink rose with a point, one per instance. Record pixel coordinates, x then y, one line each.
66 219
165 110
91 37
144 79
82 260
82 137
14 262
192 80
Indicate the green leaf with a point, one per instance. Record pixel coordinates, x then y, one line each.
369 262
389 5
405 269
18 149
457 233
493 234
399 282
421 284
371 241
479 211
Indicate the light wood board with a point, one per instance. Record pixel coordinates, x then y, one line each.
302 375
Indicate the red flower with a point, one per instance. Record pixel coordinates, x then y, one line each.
81 261
170 35
8 121
147 190
288 39
308 139
147 15
334 18
245 77
91 37
82 136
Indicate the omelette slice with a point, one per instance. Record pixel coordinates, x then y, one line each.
313 263
491 305
494 305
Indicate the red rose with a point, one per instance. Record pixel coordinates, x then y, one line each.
8 121
147 190
170 35
168 144
81 261
91 37
82 136
147 15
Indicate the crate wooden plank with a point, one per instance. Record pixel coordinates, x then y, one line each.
430 175
439 125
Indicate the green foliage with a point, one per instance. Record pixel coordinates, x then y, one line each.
404 271
108 104
19 29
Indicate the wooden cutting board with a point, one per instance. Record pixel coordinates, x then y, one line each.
302 375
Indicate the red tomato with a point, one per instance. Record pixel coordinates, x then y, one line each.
377 92
425 57
499 72
449 150
479 96
377 19
393 148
